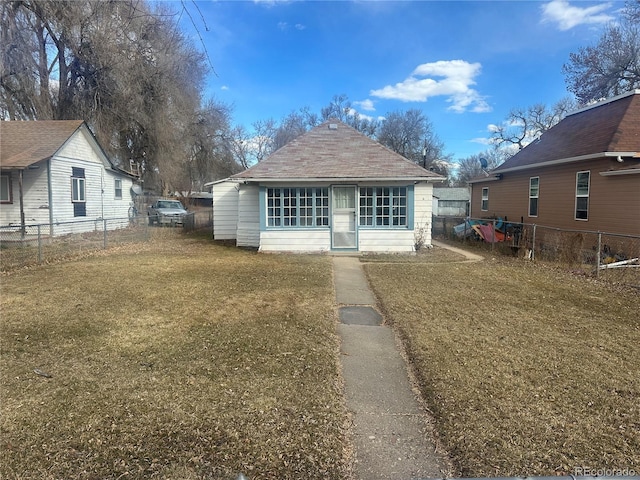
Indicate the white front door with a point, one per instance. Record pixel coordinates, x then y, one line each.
344 221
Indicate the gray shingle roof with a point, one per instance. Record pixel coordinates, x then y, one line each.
331 153
23 143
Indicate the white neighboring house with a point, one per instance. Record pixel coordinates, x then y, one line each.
332 189
54 172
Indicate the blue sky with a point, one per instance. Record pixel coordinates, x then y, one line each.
463 64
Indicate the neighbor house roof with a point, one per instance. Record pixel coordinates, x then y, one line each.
23 143
452 193
334 150
609 128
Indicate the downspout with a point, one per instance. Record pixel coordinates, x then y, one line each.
50 197
22 225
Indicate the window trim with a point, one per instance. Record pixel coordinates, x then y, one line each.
117 181
78 192
79 185
578 196
484 199
319 205
8 178
395 208
535 197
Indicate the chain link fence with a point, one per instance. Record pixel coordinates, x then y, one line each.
609 256
198 220
43 243
35 244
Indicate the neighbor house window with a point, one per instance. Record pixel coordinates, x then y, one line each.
582 195
6 195
534 190
118 187
297 207
485 199
383 206
78 197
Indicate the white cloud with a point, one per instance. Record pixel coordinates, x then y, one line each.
453 80
567 16
224 87
366 105
283 26
299 26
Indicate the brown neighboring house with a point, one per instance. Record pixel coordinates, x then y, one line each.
582 174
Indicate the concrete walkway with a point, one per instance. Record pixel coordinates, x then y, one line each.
391 432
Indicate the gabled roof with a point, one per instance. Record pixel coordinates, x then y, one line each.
23 143
606 129
334 150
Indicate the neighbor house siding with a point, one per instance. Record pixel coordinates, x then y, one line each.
36 197
116 207
248 216
225 210
614 201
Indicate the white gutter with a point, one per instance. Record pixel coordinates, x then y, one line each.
336 179
591 156
628 171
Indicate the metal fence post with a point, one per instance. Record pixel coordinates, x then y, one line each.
533 243
493 234
104 233
598 254
39 245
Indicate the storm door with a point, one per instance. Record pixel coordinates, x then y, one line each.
343 226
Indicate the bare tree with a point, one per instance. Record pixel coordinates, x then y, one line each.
262 140
612 66
125 69
472 167
411 135
340 108
291 127
523 125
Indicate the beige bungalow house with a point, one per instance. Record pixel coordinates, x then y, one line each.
332 189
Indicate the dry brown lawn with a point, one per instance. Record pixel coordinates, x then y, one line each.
175 359
528 370
183 359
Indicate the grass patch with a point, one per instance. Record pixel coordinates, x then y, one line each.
528 370
175 358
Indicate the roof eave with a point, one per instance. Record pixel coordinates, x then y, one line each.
335 179
562 161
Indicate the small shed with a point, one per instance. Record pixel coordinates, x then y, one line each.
332 189
54 173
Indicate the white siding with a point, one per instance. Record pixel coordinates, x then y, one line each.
225 210
316 241
36 198
101 203
380 240
248 216
422 216
116 207
81 145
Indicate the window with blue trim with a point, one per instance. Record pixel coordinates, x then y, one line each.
383 206
297 207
